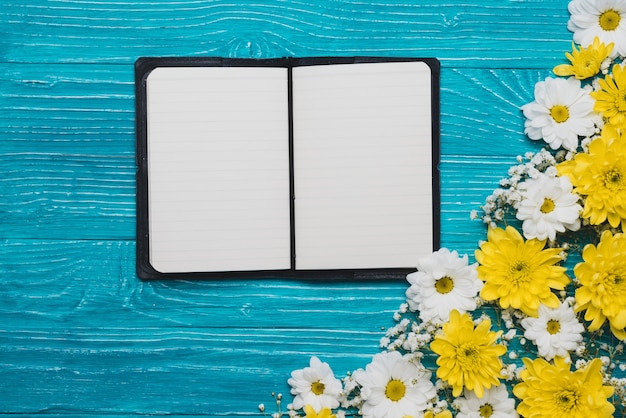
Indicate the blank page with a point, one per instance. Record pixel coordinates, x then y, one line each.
218 169
362 165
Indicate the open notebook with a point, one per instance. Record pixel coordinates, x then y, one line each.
311 167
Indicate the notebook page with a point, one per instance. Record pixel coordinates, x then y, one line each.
218 169
362 162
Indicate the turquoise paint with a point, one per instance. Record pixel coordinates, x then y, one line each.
79 333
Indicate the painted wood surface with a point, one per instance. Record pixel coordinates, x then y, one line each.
79 333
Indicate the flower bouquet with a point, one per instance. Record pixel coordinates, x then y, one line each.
534 327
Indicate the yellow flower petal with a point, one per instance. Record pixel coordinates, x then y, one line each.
602 277
468 357
553 390
611 99
519 274
323 413
600 176
585 62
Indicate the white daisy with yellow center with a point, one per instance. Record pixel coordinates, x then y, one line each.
556 332
394 386
316 386
561 113
495 403
548 206
605 19
443 282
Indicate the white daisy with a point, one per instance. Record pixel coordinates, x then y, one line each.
444 281
394 386
562 111
605 19
316 386
548 206
556 332
494 404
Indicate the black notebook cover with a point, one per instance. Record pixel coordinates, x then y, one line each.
306 168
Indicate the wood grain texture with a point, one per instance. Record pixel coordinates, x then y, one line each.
506 33
78 327
67 149
80 335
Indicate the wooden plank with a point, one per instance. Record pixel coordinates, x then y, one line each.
90 108
478 33
164 369
90 197
77 324
67 148
46 283
55 108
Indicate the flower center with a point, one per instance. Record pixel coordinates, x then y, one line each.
612 284
613 179
566 400
485 410
621 104
590 65
444 285
519 272
613 280
317 388
609 20
395 390
553 326
588 62
547 206
468 356
559 113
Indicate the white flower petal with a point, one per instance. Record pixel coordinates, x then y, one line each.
584 22
565 213
301 381
581 118
390 365
423 296
560 343
497 397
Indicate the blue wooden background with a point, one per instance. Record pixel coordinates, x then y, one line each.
79 333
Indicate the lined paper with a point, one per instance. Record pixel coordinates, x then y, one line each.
218 169
287 167
363 165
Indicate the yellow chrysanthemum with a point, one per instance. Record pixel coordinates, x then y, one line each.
585 62
468 356
611 98
552 390
602 276
323 413
600 175
519 274
613 133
